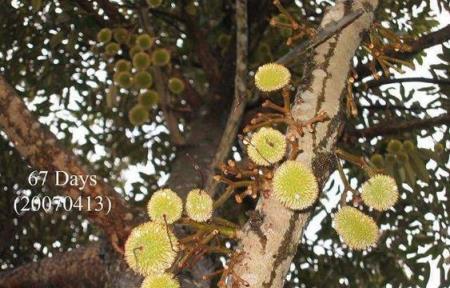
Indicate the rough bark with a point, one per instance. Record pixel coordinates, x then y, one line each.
268 249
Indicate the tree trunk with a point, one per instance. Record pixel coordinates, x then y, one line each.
268 248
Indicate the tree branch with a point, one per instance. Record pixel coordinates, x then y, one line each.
383 81
394 129
41 149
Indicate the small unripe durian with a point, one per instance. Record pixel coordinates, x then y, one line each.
121 35
151 248
122 66
377 160
267 147
380 192
104 35
164 280
390 158
134 50
138 115
176 85
165 206
199 205
161 57
394 146
148 98
295 186
409 146
154 3
112 49
123 79
402 157
144 41
143 79
271 77
356 229
141 61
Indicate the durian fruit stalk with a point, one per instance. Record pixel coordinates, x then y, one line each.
356 229
380 192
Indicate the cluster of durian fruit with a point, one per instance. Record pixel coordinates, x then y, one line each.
295 185
152 248
133 70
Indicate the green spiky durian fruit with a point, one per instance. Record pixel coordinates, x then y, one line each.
104 36
199 205
138 115
394 146
154 3
143 79
380 192
377 160
122 65
402 157
267 146
295 186
141 61
165 206
271 77
356 229
151 248
148 98
409 146
164 280
123 79
390 158
144 41
176 85
112 49
161 57
121 35
134 50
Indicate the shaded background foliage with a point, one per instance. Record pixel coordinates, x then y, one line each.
48 53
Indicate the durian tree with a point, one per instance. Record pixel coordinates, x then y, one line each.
247 143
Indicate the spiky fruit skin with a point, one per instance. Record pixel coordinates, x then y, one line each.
121 35
356 229
148 98
295 186
123 79
138 115
199 205
141 61
143 79
164 280
112 49
150 248
380 192
104 36
165 206
122 66
154 3
144 41
134 50
176 85
394 146
271 77
161 57
267 147
409 146
377 160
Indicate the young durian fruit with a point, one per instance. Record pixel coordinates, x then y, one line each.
143 79
409 146
199 205
122 65
271 77
356 229
123 79
154 3
141 61
380 192
134 50
151 248
165 206
104 36
377 160
138 115
164 280
295 186
112 49
394 146
176 85
121 35
144 41
148 98
161 57
267 146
